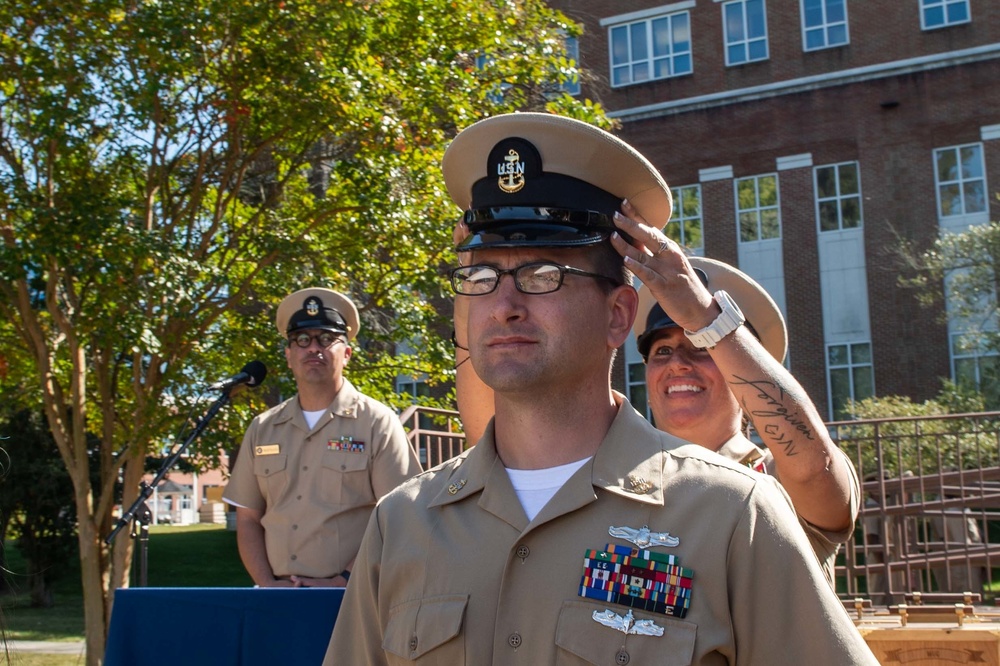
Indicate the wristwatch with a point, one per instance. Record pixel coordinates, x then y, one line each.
727 322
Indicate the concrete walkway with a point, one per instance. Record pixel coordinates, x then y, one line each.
46 647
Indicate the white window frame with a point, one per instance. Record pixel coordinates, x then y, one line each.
745 41
573 55
757 209
960 180
928 6
850 366
669 59
975 353
678 232
406 385
825 26
839 198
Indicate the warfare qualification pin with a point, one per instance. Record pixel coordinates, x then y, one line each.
643 537
628 624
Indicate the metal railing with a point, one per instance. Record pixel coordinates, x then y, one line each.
435 434
930 517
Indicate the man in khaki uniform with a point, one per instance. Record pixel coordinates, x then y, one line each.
574 532
691 398
310 470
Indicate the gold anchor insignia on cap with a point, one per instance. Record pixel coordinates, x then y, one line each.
455 487
638 485
643 537
628 624
511 174
312 306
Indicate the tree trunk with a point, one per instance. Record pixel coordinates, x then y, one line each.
96 603
41 591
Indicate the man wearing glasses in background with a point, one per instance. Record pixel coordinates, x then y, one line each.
310 470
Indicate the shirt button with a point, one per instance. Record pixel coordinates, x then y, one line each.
522 551
267 470
305 468
622 657
514 640
295 527
413 643
295 557
343 467
299 497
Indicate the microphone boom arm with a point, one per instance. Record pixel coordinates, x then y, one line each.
145 490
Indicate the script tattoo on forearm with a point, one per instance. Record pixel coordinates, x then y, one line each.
774 395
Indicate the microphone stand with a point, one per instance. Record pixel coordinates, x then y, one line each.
139 512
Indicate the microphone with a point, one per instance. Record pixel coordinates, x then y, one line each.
252 374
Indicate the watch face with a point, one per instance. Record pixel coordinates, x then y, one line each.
727 322
724 299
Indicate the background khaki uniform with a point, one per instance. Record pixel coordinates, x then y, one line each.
824 543
317 501
451 572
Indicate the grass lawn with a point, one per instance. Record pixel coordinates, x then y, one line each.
38 659
199 555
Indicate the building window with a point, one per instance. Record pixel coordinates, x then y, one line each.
849 375
572 87
416 389
757 208
824 24
655 48
838 196
636 388
975 365
745 26
942 13
961 180
687 216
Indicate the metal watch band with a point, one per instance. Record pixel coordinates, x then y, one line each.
727 322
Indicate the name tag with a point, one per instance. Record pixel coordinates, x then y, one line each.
267 449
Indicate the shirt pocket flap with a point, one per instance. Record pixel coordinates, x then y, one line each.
343 461
417 627
580 634
270 464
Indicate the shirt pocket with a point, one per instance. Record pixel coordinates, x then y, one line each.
271 472
346 480
583 640
430 628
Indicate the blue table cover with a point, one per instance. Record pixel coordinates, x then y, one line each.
220 626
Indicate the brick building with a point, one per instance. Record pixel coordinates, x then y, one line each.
802 138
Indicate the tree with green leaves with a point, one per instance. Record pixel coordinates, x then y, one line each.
960 274
169 170
36 500
911 440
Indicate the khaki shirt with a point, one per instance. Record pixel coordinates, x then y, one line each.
824 543
451 572
317 487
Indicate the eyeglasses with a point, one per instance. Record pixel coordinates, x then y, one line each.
539 277
325 339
